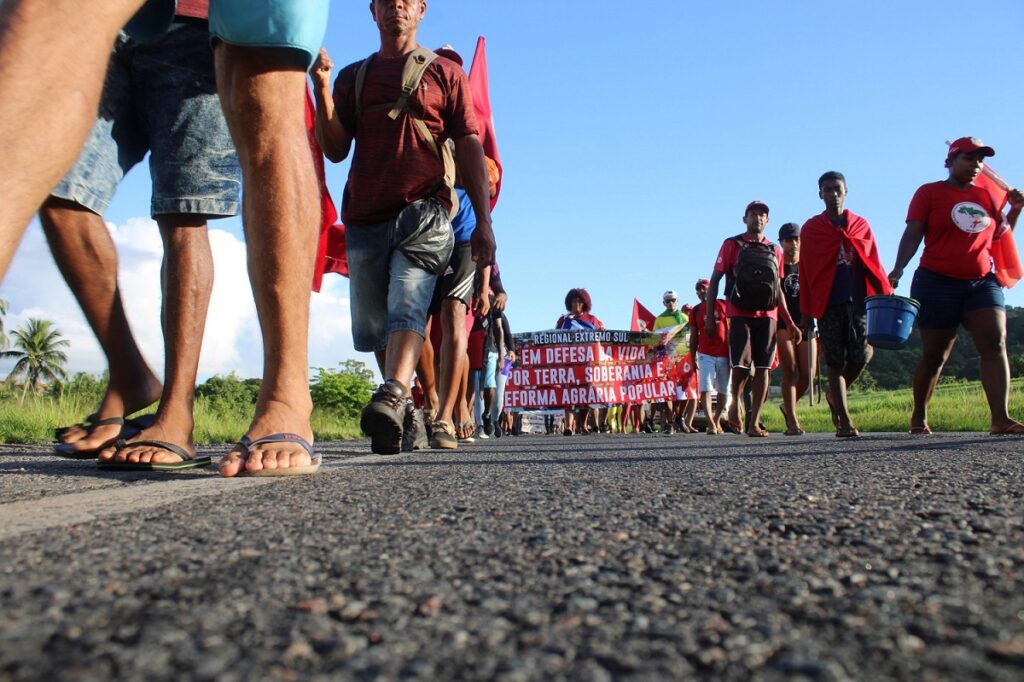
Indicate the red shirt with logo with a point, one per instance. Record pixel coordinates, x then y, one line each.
728 256
716 344
958 228
200 9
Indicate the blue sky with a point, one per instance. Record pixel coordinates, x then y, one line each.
633 134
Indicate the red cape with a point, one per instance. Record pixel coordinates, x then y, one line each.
819 247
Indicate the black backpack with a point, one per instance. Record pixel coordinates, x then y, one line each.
755 284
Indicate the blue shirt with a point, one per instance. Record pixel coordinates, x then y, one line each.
464 221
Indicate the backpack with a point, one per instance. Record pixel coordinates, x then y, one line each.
415 64
755 284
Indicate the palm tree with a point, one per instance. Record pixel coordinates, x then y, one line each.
3 334
39 356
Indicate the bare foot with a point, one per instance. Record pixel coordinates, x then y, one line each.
164 430
1008 428
115 403
276 418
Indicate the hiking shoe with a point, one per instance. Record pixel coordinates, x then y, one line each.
414 432
443 436
382 419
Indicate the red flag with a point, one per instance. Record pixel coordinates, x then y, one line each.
1004 249
482 109
641 315
332 237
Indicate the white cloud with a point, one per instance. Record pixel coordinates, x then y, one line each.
34 288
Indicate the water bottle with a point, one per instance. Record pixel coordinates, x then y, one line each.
507 367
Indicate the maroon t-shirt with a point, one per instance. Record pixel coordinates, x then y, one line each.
393 165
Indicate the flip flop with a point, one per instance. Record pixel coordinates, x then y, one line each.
847 433
793 432
730 427
920 430
1011 430
188 459
129 429
86 424
248 444
758 433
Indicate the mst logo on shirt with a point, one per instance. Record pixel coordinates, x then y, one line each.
970 217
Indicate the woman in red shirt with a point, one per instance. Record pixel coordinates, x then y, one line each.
955 284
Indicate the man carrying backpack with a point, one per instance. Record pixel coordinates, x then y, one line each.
400 105
751 265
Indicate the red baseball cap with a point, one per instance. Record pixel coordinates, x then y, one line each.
968 145
756 204
702 283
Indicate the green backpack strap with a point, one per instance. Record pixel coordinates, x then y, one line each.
415 64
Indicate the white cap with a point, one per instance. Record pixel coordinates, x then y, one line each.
670 294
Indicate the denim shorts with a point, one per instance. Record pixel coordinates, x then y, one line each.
295 24
946 300
160 98
713 373
490 371
389 291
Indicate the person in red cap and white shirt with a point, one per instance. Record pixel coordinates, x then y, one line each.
711 355
751 331
955 283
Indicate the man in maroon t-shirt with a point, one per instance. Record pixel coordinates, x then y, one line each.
395 193
751 332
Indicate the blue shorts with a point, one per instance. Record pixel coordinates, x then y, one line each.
491 370
295 24
388 290
173 112
945 301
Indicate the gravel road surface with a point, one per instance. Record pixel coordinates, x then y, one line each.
529 558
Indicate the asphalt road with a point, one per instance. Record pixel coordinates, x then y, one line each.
538 557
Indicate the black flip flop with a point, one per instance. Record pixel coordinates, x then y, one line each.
188 460
129 429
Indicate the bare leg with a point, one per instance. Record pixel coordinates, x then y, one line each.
805 371
263 92
87 258
453 352
837 391
738 381
53 58
988 329
936 345
187 285
757 397
790 365
425 372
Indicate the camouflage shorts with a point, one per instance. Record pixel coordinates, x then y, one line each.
843 333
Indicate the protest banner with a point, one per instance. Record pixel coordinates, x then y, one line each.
576 368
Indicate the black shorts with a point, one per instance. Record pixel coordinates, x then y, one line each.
843 332
945 301
457 281
752 341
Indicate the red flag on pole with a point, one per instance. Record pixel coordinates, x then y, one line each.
643 319
1004 249
482 109
330 250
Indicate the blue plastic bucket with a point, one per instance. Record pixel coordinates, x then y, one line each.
890 320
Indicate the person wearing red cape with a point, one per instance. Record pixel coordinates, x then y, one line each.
839 268
956 283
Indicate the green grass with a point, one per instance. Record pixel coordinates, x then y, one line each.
35 421
955 407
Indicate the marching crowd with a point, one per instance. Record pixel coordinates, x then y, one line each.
426 292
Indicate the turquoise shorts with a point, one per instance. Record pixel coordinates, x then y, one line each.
295 24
